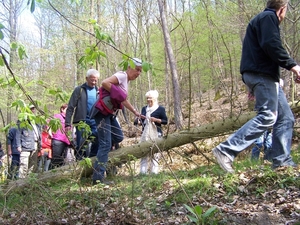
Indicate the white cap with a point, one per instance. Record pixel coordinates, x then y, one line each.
137 62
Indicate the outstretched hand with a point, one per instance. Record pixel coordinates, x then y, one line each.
296 71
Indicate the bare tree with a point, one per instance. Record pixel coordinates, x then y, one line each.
173 65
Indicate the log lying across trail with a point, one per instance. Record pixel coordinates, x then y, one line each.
123 155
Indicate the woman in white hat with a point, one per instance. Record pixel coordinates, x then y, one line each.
154 117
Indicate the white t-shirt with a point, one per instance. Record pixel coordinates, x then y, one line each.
123 80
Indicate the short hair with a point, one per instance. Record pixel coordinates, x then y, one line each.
91 72
152 93
276 4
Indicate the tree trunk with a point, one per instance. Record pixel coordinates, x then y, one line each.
173 67
123 155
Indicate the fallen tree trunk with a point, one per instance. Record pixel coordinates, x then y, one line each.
123 155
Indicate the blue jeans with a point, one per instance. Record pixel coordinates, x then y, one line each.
263 142
109 131
14 167
272 110
82 144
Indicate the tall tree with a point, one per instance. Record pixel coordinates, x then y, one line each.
173 66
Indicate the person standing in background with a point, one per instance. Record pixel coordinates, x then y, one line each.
82 99
29 143
14 153
45 155
154 116
60 140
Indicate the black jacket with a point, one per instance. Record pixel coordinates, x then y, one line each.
262 47
77 106
12 140
159 113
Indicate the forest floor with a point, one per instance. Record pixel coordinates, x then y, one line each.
255 194
260 200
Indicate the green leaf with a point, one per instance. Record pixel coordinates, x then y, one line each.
98 34
101 53
146 67
86 162
1 61
110 40
131 63
22 52
81 60
198 210
1 35
191 210
209 212
92 21
14 45
193 219
55 124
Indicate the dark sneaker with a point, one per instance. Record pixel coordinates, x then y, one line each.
292 164
106 182
223 160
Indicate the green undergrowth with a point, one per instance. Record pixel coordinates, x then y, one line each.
138 196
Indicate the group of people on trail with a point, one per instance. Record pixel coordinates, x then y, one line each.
97 107
92 113
34 148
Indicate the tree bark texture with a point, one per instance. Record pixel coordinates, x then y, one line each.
173 67
123 155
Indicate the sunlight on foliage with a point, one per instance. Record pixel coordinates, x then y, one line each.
20 48
86 162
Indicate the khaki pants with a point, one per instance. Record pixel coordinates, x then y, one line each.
28 163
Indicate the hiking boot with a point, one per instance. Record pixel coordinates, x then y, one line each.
223 160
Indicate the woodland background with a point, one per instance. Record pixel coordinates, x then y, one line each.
191 51
49 45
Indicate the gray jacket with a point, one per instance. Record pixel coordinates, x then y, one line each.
77 106
28 137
